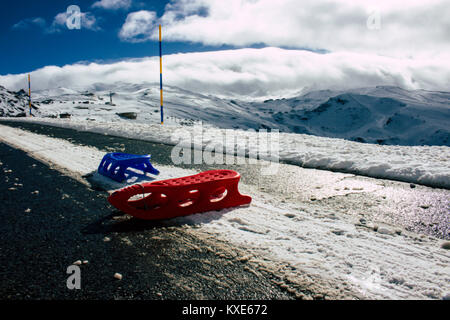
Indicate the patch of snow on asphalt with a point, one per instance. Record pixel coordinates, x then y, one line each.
336 251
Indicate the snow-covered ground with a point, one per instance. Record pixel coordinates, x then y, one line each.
308 245
305 244
380 115
316 128
428 165
13 104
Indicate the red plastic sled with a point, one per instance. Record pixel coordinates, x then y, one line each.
206 191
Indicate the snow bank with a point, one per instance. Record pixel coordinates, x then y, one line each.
427 165
310 245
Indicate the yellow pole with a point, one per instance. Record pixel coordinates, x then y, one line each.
160 76
29 93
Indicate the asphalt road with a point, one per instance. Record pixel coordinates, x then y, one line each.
49 221
415 208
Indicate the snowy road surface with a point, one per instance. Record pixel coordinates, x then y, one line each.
426 165
312 237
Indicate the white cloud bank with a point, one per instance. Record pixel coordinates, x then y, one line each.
414 28
250 73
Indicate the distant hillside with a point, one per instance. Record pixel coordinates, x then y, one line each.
13 104
381 115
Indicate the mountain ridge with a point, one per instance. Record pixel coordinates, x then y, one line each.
380 115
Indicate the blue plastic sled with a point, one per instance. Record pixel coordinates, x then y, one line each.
115 164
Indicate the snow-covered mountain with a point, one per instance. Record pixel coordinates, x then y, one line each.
13 104
383 115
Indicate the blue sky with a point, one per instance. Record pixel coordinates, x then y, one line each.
33 37
29 45
332 44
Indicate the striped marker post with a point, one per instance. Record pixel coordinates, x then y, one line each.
160 76
29 93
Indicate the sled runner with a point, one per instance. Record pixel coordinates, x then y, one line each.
114 165
206 191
